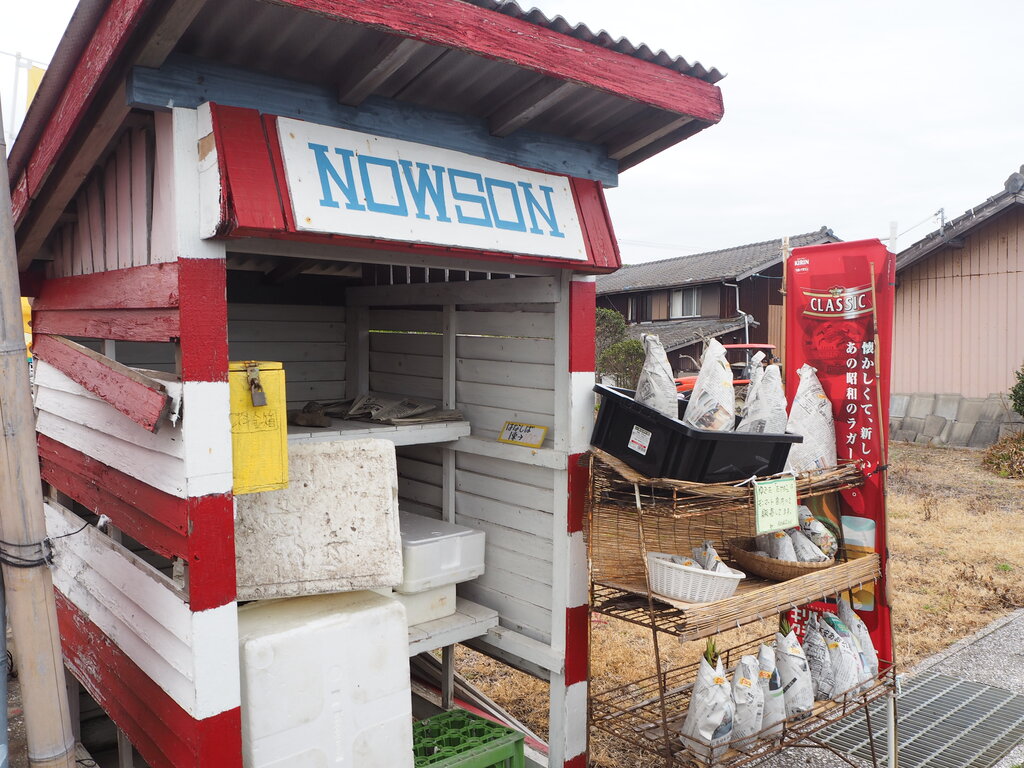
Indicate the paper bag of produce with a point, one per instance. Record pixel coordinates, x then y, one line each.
765 409
708 725
774 697
656 387
797 688
806 551
819 660
863 637
748 702
847 666
816 531
713 401
811 417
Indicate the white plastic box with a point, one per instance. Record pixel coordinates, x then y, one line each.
436 603
435 553
325 682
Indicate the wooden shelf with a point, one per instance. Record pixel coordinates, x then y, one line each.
406 434
754 599
469 620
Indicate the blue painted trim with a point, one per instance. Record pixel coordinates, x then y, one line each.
185 81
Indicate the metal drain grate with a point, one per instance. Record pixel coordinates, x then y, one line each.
944 722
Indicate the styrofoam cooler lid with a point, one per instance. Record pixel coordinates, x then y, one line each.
418 530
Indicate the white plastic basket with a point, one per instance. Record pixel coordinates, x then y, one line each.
690 583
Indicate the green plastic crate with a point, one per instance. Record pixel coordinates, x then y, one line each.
460 739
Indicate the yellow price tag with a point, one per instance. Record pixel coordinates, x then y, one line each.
530 435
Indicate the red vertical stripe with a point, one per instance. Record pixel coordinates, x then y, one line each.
580 761
582 301
164 733
579 483
577 644
211 555
202 286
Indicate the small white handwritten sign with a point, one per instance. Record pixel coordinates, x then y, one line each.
775 505
529 435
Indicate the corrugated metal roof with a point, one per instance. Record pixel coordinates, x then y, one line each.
602 38
711 266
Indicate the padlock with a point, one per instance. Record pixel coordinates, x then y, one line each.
252 376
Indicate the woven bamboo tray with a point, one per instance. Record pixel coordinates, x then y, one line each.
767 567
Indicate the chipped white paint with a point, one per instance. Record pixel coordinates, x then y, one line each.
581 410
206 429
334 529
209 173
193 657
578 586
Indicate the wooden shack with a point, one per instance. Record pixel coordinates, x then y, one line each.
395 197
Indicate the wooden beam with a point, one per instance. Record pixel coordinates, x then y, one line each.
481 32
534 101
625 147
52 162
142 399
154 286
669 140
185 81
287 270
119 324
366 76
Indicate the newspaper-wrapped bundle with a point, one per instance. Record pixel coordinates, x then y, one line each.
748 702
765 409
811 417
806 550
780 547
819 660
860 632
847 667
656 387
708 726
774 696
709 560
795 675
397 410
816 531
713 401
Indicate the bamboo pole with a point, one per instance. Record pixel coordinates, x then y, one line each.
30 599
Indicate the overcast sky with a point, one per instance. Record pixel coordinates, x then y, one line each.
848 114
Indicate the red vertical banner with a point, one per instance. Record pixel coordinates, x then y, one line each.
839 319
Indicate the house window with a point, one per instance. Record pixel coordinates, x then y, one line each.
640 308
685 303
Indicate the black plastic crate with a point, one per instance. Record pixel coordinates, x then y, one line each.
658 446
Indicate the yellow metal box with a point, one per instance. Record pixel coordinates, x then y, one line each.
259 426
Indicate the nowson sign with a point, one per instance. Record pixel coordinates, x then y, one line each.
350 183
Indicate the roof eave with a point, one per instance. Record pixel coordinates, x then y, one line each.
957 228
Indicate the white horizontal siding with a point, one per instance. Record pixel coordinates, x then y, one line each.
308 339
193 657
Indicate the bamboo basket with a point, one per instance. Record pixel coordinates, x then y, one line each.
741 551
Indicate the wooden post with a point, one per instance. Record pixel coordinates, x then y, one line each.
30 599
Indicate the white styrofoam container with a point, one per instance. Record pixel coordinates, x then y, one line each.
435 553
325 682
436 603
333 529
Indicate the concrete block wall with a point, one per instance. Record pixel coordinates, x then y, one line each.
933 419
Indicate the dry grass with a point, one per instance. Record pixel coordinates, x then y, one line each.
956 563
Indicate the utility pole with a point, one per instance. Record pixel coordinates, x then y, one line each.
28 582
